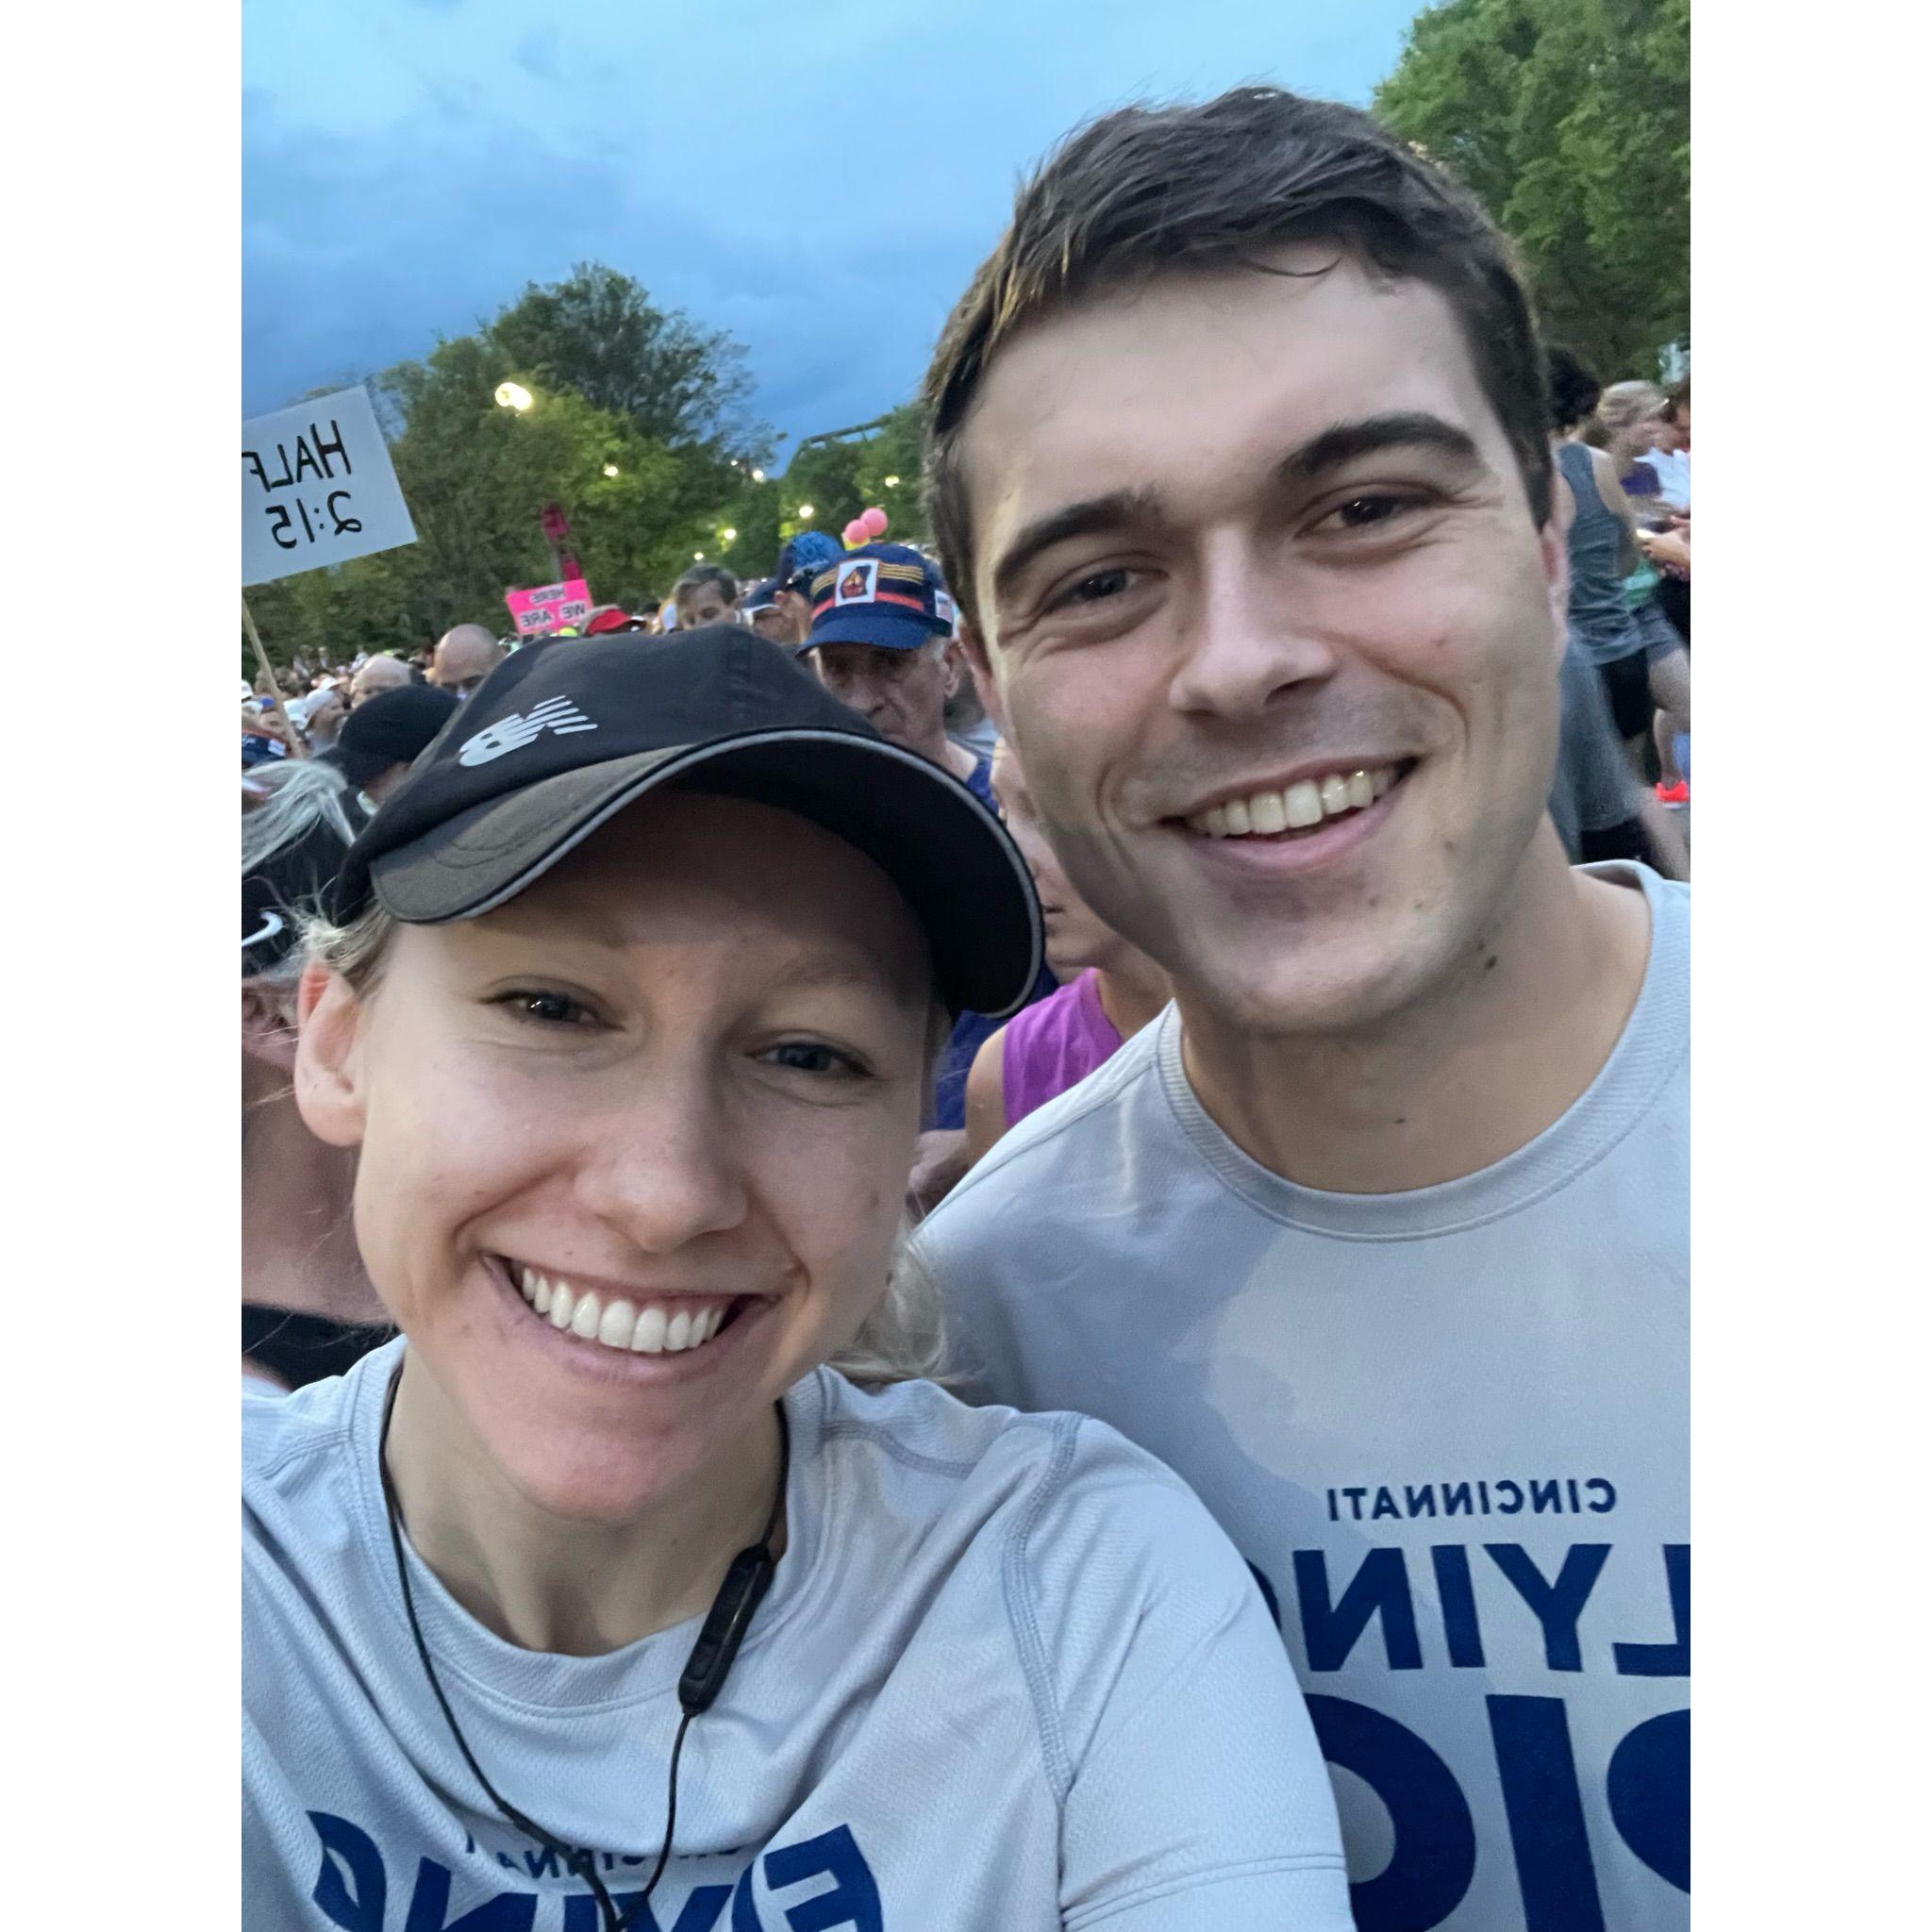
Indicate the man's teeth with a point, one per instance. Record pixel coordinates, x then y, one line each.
1301 805
658 1328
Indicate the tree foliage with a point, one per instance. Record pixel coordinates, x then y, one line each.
616 385
599 335
1571 120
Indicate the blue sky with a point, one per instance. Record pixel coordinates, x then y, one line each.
819 178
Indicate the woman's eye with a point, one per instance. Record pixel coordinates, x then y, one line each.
812 1056
547 1009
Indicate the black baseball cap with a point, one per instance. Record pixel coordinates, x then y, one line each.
391 728
555 743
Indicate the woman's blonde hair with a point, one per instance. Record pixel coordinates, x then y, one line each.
901 1339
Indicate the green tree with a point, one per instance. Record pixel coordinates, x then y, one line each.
599 334
1571 120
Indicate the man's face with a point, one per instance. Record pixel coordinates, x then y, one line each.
1238 538
462 663
796 608
378 674
708 604
770 622
902 693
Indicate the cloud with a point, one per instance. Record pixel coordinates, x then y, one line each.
824 194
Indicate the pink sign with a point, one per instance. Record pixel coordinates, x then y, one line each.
549 609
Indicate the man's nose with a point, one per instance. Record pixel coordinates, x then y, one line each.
1245 635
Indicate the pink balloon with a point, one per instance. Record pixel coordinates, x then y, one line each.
854 534
874 521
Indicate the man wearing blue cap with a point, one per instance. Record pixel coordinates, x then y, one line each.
881 628
880 622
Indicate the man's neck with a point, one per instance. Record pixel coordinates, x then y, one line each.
1451 1085
941 751
954 758
298 1237
549 1584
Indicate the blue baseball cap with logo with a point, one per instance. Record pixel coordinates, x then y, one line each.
884 594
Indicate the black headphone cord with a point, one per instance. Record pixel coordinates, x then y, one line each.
745 1583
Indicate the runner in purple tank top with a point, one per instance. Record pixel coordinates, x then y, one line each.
1054 1043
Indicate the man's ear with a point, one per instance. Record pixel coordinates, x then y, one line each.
267 1025
1553 541
973 649
327 1088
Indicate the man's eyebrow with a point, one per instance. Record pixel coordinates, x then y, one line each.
1082 519
1405 429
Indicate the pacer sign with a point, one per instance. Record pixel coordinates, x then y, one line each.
317 488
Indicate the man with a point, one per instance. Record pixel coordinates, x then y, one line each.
465 656
1379 1235
378 674
799 561
706 595
761 607
881 630
881 621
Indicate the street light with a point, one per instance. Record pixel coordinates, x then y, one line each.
729 536
891 482
698 556
758 475
513 395
805 511
611 469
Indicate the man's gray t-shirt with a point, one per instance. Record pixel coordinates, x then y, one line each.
1003 1678
1449 1428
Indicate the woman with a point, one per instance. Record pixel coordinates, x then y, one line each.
628 1008
1640 658
1109 989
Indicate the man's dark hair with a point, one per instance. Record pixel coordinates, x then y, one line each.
1574 391
1146 190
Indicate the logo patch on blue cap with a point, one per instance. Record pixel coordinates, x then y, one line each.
858 582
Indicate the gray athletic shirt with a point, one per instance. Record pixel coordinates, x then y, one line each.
1449 1428
1003 1679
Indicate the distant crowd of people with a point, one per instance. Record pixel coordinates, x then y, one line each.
1194 959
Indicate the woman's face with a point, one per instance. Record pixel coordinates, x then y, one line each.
680 1074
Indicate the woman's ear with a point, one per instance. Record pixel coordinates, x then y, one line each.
328 1089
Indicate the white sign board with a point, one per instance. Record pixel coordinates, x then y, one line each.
317 488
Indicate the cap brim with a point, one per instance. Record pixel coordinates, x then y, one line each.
959 870
865 623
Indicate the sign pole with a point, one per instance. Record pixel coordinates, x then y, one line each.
296 747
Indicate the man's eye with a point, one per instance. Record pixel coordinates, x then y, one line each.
1096 588
546 1008
1360 512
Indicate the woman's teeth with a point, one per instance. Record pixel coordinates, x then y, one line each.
1304 804
656 1328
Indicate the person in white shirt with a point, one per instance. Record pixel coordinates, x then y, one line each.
627 1002
1240 472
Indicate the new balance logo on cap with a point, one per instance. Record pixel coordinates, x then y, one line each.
518 729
